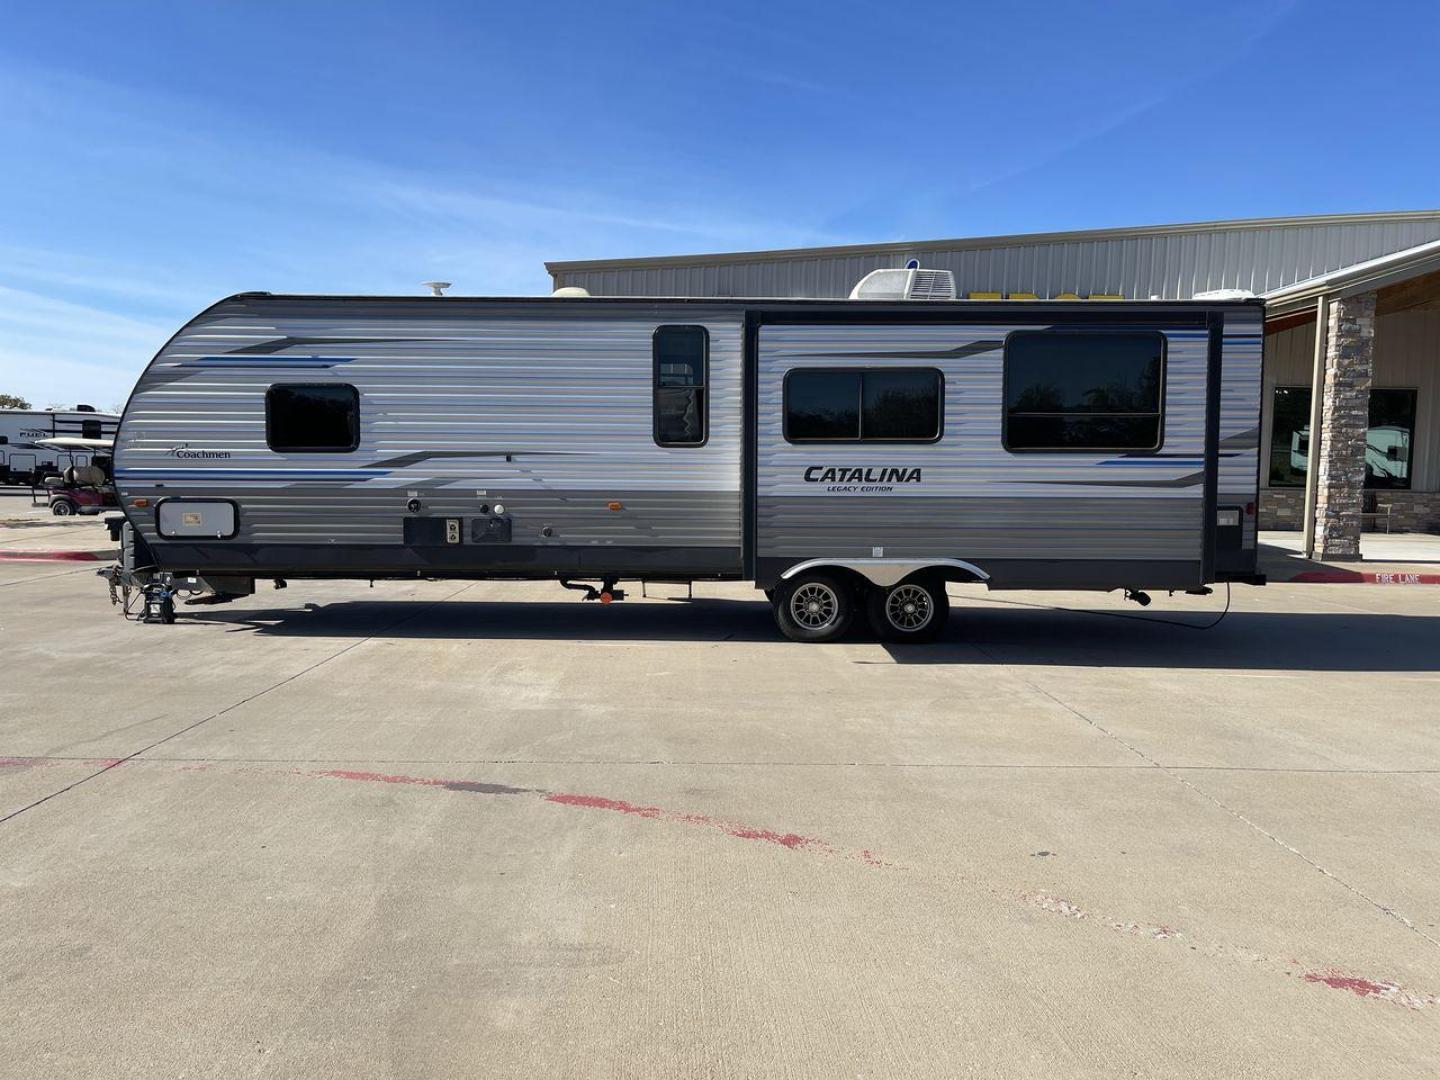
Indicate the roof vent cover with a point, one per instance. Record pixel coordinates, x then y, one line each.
909 284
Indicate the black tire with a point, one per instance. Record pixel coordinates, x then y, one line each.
63 508
913 612
814 607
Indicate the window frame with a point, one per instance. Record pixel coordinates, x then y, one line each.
354 427
655 386
861 370
1160 413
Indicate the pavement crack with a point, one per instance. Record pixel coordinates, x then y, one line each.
1355 890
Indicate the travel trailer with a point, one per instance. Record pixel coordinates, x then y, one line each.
24 461
846 456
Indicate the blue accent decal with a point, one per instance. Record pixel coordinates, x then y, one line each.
248 474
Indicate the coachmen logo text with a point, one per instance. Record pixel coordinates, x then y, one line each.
868 481
184 451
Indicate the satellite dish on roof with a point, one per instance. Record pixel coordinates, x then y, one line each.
437 288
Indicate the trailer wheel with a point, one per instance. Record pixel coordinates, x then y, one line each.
914 611
813 607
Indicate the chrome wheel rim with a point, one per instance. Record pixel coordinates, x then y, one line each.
814 606
909 607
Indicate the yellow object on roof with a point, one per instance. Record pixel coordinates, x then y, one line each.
1067 296
1106 296
986 296
1023 296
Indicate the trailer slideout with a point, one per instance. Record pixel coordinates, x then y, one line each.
845 456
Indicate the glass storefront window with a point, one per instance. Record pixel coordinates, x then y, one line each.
1387 442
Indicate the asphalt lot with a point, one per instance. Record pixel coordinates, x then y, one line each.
451 829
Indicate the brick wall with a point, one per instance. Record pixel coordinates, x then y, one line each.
1282 508
1410 511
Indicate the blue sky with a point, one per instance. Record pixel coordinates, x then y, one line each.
159 156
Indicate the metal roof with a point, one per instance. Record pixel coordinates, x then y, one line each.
1167 261
1362 277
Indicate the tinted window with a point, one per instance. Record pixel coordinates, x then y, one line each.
1290 436
822 405
1388 438
90 429
681 358
854 405
301 418
900 405
1387 442
1083 391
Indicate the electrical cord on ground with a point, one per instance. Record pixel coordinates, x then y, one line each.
1120 614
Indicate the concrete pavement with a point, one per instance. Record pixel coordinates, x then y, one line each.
447 829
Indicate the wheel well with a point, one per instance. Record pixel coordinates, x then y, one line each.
864 573
855 581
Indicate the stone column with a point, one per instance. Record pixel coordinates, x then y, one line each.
1345 418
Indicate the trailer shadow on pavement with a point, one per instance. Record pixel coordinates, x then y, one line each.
978 635
1243 640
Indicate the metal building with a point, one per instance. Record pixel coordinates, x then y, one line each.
1352 333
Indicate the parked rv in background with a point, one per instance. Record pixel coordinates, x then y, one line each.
849 457
24 461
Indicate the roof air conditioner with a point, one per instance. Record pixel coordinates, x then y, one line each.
908 284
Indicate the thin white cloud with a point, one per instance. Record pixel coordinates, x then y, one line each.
57 350
246 208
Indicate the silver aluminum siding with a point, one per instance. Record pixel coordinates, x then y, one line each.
1241 362
567 394
976 500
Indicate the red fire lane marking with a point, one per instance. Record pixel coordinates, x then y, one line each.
51 556
1364 577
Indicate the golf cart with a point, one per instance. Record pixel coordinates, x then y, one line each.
86 486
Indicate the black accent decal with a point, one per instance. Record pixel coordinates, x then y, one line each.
430 455
975 348
1188 480
1248 439
275 345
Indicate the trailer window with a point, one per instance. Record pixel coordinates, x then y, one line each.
1087 390
681 356
312 418
863 405
90 429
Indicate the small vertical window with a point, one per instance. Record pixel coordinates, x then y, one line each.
312 418
90 429
681 404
